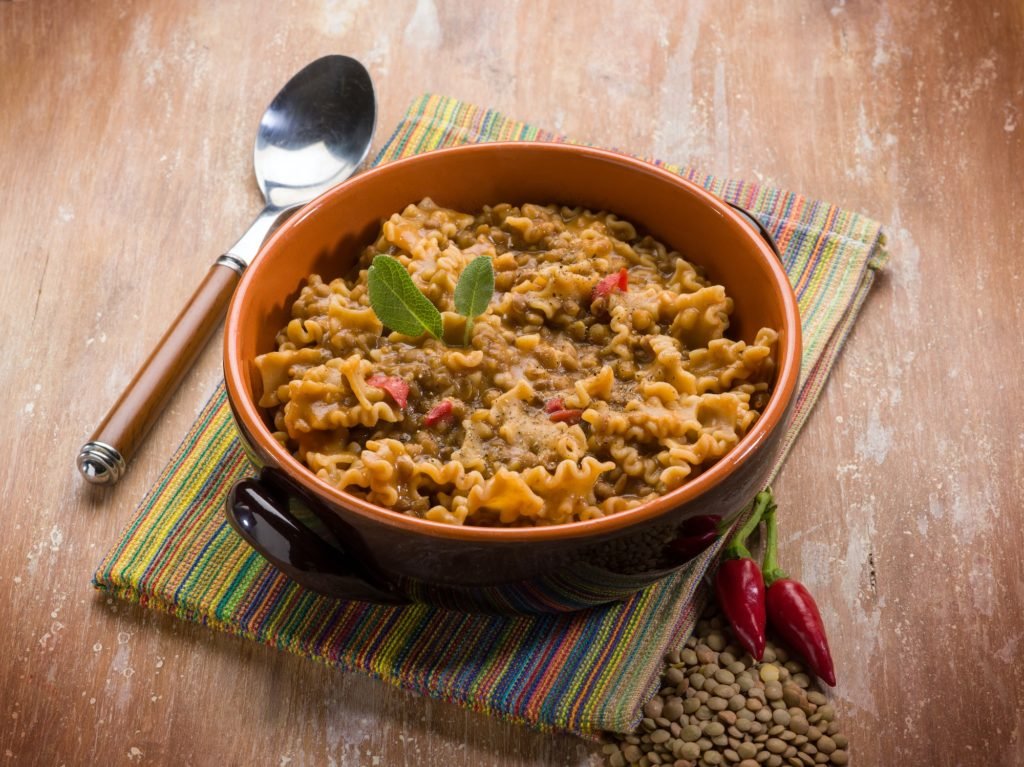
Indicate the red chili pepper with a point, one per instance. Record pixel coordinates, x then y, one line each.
793 611
442 411
608 285
554 404
566 416
557 412
740 586
393 385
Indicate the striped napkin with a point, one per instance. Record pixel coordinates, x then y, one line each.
585 672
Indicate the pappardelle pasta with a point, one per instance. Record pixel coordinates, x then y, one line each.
599 376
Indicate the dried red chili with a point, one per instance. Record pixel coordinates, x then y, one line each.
740 586
559 413
792 610
608 285
566 416
554 404
393 385
442 411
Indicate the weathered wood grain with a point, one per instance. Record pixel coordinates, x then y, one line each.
125 142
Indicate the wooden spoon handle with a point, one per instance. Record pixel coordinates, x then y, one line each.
104 457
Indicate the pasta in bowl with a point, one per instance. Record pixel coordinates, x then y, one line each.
599 376
631 373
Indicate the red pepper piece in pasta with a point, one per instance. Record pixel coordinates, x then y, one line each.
793 612
566 416
393 385
441 412
554 404
740 586
608 285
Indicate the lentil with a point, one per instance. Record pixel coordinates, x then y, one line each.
718 707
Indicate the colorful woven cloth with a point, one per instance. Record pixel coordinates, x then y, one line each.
584 672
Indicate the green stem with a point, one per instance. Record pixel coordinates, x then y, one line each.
468 332
737 548
770 569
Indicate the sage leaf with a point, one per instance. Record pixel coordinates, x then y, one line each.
397 302
474 290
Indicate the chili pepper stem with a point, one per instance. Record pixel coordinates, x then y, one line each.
737 548
770 567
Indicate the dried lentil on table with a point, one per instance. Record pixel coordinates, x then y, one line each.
718 706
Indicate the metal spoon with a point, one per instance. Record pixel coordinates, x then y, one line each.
314 134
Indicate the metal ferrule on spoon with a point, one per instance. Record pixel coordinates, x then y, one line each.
315 134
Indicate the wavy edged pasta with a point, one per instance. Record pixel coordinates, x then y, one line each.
574 398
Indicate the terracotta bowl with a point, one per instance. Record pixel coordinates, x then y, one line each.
340 545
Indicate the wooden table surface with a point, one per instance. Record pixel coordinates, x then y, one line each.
125 168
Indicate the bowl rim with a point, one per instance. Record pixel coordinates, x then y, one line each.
787 377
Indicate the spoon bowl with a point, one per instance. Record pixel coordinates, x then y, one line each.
315 133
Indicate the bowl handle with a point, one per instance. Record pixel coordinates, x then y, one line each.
695 536
260 512
756 223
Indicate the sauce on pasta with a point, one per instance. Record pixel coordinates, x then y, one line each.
599 376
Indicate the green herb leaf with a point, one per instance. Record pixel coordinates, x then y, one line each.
474 290
397 302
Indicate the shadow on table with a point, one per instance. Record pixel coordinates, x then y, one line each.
256 703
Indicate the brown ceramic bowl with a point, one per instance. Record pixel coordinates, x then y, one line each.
341 545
